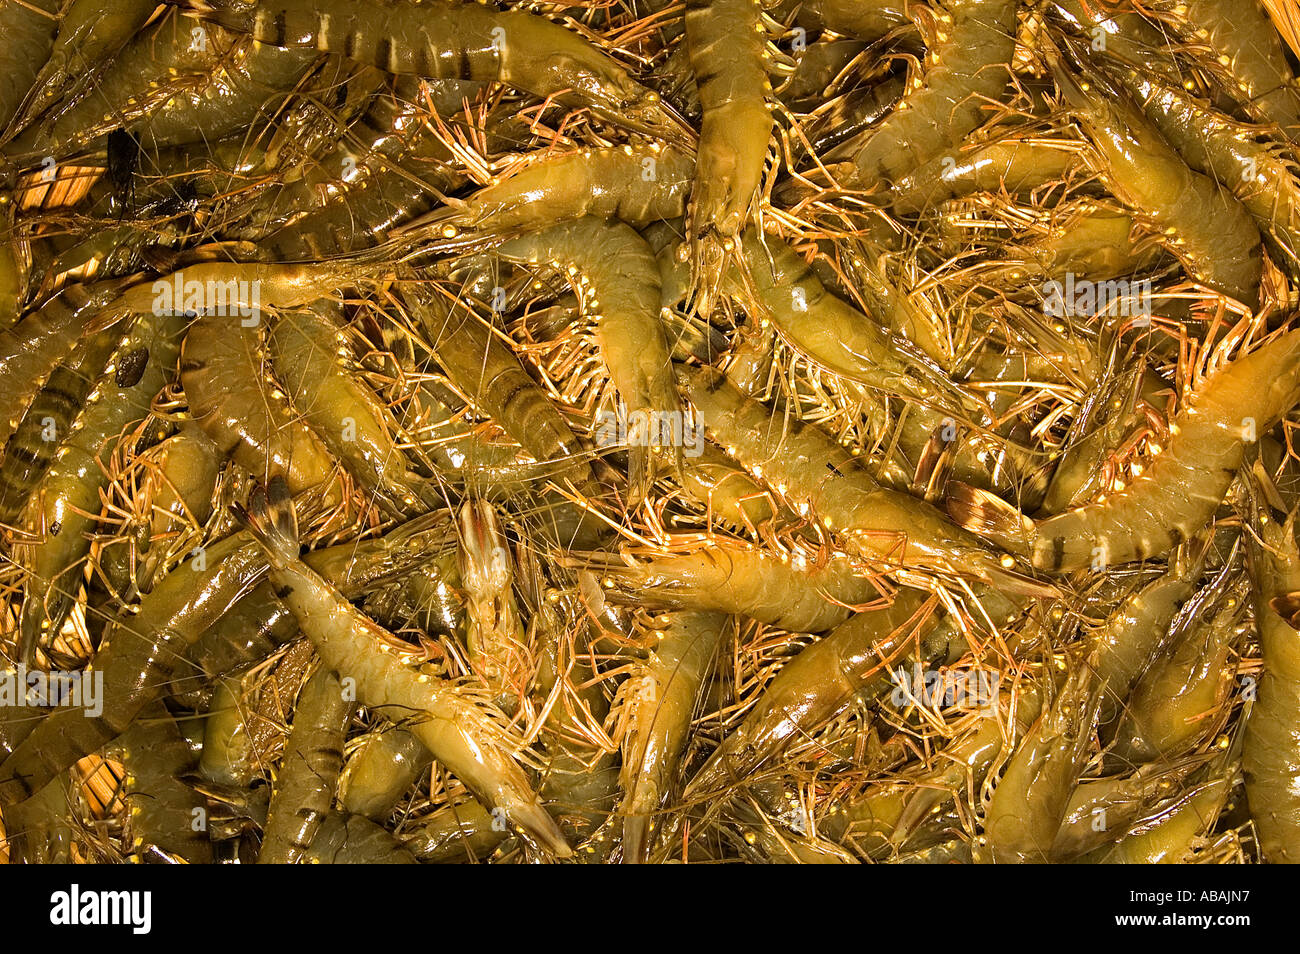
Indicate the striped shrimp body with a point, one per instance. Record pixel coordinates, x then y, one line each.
1256 172
157 67
310 354
37 344
850 662
491 374
664 699
32 447
638 186
138 658
457 728
965 71
454 41
616 277
1208 230
793 594
819 476
62 509
223 372
1178 491
1271 747
727 46
305 786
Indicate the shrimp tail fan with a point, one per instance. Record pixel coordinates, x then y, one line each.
990 517
270 518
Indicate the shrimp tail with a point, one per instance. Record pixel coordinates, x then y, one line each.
270 518
988 515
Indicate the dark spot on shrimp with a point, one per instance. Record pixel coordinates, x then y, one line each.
1058 552
279 29
55 528
283 592
123 158
131 368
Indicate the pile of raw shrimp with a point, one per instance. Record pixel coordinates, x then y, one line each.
800 431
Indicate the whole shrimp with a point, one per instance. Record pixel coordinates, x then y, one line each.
638 186
833 333
1257 172
727 45
310 354
965 71
665 694
850 662
820 477
1180 488
454 40
800 594
456 727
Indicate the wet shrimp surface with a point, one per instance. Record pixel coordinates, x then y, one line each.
649 431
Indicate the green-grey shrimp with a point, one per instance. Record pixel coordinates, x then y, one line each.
456 727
